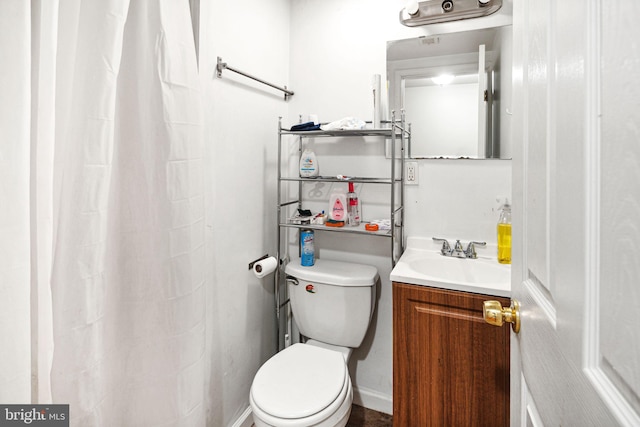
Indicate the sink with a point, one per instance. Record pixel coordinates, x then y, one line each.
422 264
479 271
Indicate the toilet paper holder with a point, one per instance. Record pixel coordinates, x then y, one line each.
251 264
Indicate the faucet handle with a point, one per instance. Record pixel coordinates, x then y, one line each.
470 252
446 248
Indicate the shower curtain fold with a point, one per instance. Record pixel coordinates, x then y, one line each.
127 268
15 41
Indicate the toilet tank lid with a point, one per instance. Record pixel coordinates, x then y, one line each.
334 272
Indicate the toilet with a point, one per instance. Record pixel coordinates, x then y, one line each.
308 384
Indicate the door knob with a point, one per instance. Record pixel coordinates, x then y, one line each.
494 314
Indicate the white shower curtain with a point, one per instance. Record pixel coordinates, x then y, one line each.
126 211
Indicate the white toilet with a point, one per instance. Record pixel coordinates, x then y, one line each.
308 384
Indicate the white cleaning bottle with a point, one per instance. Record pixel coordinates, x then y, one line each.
308 164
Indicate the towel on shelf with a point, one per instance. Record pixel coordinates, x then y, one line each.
305 127
348 123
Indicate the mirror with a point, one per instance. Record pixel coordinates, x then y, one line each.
456 92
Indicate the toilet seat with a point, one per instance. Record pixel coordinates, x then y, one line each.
301 385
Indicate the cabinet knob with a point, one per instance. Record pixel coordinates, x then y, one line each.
494 314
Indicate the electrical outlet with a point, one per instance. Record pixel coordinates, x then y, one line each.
411 173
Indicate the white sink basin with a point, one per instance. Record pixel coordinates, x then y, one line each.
422 264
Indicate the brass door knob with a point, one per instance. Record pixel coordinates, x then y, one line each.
494 314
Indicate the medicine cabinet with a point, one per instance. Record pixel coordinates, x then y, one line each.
456 89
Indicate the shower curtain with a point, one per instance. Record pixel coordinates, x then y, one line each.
115 201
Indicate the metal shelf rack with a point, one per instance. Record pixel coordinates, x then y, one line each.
398 135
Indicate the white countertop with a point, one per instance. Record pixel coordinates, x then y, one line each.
422 264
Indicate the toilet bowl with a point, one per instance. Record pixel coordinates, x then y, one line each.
308 385
302 386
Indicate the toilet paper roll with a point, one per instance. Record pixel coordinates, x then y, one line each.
264 267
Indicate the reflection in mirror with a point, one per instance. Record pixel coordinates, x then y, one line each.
456 90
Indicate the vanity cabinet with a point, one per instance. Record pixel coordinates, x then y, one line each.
450 368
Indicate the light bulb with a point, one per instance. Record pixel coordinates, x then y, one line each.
412 7
443 79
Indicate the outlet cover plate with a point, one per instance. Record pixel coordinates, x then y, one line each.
411 173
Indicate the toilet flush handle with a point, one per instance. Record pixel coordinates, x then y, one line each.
292 280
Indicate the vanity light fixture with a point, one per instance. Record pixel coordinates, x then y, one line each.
416 13
412 7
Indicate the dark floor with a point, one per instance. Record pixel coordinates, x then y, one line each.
363 417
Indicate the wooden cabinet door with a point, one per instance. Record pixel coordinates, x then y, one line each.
450 368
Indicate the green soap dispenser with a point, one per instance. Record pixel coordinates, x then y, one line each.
504 234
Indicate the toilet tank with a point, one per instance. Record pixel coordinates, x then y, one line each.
332 301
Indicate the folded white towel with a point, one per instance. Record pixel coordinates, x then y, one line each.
348 123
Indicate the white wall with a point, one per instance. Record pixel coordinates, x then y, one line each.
336 46
240 139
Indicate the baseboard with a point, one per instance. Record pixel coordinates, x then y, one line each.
372 399
245 419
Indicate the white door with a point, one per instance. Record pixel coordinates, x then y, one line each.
576 271
482 103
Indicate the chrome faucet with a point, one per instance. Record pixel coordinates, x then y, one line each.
470 252
457 251
446 248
